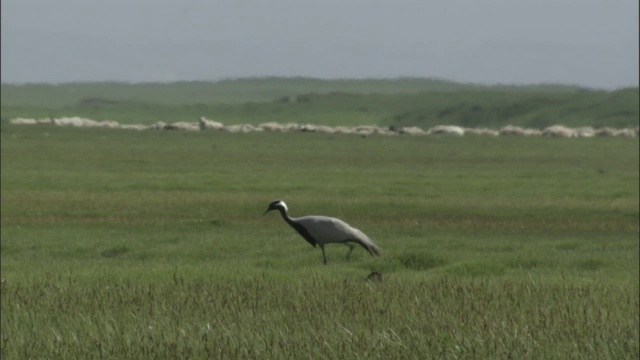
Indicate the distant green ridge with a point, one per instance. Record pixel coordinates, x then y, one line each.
235 90
384 102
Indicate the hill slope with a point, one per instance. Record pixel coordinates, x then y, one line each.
400 102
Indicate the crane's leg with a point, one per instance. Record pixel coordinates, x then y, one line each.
324 257
350 250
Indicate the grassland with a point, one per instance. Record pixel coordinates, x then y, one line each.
400 102
119 244
236 91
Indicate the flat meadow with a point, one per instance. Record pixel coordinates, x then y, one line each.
120 244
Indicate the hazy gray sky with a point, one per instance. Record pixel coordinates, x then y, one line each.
591 43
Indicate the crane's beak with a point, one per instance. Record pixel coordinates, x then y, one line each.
265 213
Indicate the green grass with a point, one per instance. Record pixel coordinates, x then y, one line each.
120 244
317 317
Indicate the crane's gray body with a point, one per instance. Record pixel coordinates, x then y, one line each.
321 230
326 229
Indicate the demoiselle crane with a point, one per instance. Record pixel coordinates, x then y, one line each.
321 230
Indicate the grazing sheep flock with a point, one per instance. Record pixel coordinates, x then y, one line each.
558 131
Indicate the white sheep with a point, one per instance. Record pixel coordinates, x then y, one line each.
271 126
585 131
111 124
481 131
383 130
74 121
446 130
205 124
363 130
511 130
411 130
343 130
559 131
23 121
323 129
134 127
605 131
240 128
628 133
181 125
308 128
158 126
291 127
88 123
254 128
518 131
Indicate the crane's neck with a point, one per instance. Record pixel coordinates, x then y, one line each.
298 227
286 217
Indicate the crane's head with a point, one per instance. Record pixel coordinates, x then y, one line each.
276 205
